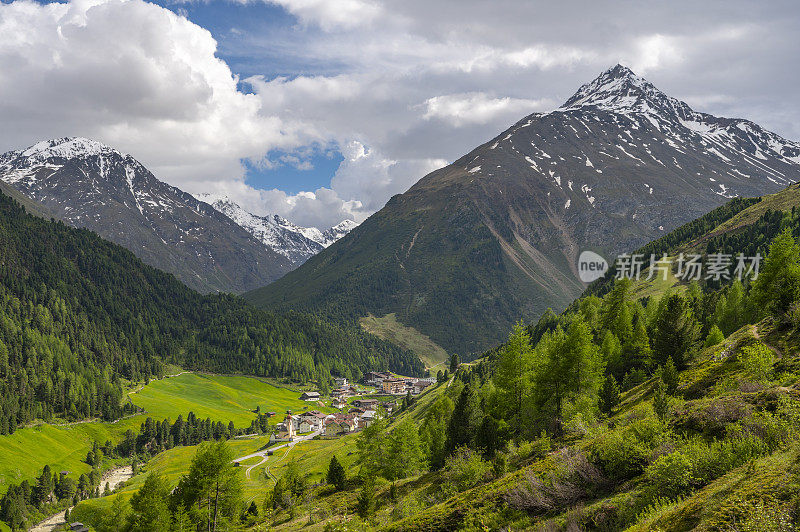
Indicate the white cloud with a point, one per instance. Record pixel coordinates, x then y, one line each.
331 14
135 76
479 108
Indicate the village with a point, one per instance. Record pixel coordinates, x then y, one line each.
358 406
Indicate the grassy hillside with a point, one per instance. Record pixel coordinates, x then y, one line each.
220 397
63 448
80 315
432 355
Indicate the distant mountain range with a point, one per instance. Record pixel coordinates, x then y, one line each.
296 243
495 236
88 184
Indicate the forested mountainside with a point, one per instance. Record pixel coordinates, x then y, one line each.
79 314
493 237
90 185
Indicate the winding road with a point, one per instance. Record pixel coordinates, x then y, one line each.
264 453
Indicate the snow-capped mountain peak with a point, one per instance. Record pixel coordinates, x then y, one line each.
620 90
292 241
66 148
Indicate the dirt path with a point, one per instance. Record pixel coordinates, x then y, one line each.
114 477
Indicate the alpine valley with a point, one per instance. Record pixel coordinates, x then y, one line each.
494 237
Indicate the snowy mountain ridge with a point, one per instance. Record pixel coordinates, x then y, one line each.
294 242
88 184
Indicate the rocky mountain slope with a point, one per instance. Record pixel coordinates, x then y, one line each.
87 184
295 243
495 236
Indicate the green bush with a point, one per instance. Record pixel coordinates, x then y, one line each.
671 474
533 449
756 360
714 337
624 453
463 469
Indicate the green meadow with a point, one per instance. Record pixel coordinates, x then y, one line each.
64 448
220 397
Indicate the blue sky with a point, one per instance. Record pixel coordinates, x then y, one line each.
237 28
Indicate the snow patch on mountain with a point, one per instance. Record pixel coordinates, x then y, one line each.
294 242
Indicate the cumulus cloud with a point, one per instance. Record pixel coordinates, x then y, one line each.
400 88
135 76
479 108
332 14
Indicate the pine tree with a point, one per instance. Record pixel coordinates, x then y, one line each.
615 314
661 401
676 332
511 377
611 351
669 376
571 369
149 506
454 363
464 422
609 395
406 456
366 498
433 431
715 337
778 283
636 353
336 474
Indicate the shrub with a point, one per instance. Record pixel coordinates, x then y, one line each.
533 450
714 337
757 361
623 453
771 429
671 474
463 469
572 479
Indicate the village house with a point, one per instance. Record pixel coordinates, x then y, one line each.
366 404
394 386
367 419
419 386
340 382
339 403
313 418
310 396
376 378
340 393
340 424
